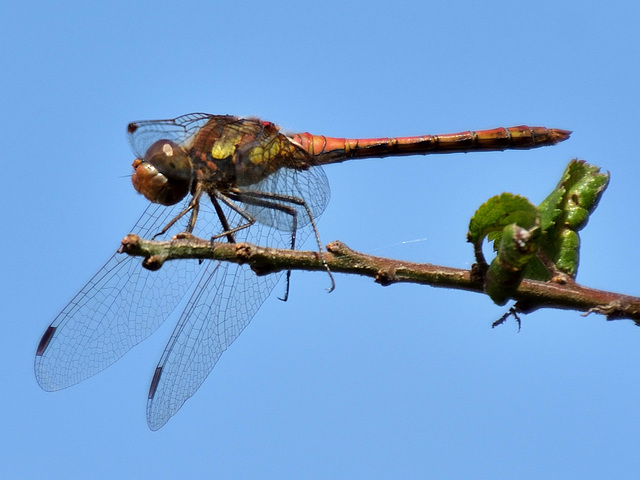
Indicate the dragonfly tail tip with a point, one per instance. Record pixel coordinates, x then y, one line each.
559 135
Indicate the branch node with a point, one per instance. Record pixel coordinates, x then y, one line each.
339 249
154 262
243 252
130 244
386 276
478 272
184 236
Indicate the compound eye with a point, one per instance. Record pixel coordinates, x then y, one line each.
170 160
164 174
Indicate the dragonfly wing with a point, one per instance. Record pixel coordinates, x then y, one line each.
118 308
223 303
180 130
310 185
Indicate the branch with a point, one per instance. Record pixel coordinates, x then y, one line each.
531 295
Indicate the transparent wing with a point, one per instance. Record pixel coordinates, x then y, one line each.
180 130
224 302
118 308
310 185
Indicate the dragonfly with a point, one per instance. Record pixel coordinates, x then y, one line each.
221 177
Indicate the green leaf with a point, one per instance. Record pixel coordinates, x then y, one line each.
566 211
550 208
497 213
535 242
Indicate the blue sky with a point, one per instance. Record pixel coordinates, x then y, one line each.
365 382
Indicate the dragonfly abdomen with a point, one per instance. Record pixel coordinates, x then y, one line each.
333 150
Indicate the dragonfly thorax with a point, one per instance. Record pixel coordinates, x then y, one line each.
164 174
230 152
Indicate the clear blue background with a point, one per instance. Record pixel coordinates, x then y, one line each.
365 382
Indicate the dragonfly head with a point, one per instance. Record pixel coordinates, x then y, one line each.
164 174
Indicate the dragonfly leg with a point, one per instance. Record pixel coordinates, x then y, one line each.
193 207
250 220
255 198
223 219
229 202
274 201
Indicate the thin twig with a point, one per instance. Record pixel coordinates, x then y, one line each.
531 294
